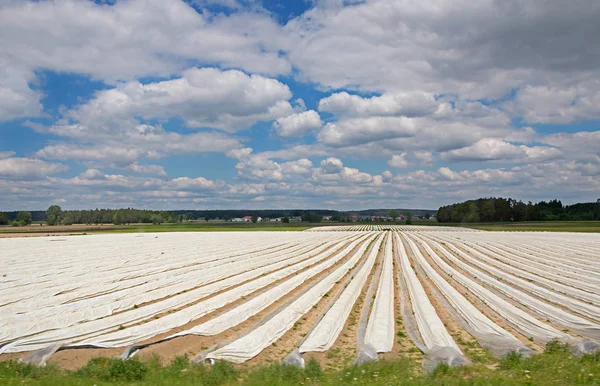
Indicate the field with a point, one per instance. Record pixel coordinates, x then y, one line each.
410 296
201 226
525 226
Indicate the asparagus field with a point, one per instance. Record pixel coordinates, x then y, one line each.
438 294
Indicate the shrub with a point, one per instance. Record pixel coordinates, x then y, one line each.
107 369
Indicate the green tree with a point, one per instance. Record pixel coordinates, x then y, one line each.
53 214
207 218
3 218
68 219
157 219
24 217
409 218
311 217
119 218
285 220
254 219
394 214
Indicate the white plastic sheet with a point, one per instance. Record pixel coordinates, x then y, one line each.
536 328
430 326
251 344
325 333
488 333
380 328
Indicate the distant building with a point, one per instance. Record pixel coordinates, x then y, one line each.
247 219
326 218
278 219
237 219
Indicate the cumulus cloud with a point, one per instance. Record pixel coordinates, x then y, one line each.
390 104
332 165
420 46
494 149
92 174
557 105
146 169
399 161
130 144
363 130
28 168
6 154
92 32
297 125
202 97
259 167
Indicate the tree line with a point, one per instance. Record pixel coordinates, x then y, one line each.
54 215
498 209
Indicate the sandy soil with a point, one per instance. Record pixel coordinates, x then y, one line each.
186 345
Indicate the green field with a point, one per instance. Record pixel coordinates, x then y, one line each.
557 366
211 226
221 226
531 226
208 227
542 226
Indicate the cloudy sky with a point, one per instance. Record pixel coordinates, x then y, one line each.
341 104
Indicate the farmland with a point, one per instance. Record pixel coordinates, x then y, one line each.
332 294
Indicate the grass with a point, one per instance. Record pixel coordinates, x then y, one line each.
531 226
554 367
216 226
211 226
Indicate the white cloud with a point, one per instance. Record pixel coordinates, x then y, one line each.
92 174
6 154
424 46
257 167
557 105
495 149
17 99
363 130
399 161
424 157
390 104
146 169
28 168
130 144
332 165
91 32
202 97
297 125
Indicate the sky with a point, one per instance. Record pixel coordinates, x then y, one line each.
339 104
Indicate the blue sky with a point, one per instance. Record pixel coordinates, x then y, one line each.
296 104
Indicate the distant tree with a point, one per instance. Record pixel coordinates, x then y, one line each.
394 214
53 214
24 217
118 218
285 220
3 218
67 220
427 216
157 219
311 217
254 219
409 218
207 218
